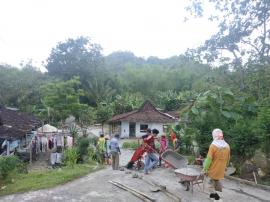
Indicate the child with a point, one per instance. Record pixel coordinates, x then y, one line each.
175 141
163 146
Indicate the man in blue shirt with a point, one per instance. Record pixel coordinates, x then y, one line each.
115 151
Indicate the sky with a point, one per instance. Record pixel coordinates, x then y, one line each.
29 29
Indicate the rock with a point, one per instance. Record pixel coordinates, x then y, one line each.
261 161
122 169
135 175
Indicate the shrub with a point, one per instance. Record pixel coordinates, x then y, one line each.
130 145
8 164
93 154
71 157
134 145
82 146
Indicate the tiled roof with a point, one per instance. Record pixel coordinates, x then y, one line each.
146 113
14 124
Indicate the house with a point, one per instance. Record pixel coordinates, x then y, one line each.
135 123
14 127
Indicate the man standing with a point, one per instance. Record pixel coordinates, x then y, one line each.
115 151
175 141
101 148
215 164
150 159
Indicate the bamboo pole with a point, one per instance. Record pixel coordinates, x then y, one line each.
164 190
255 179
137 193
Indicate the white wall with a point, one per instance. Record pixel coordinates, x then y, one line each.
124 129
158 126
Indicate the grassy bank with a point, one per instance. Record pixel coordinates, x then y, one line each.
44 179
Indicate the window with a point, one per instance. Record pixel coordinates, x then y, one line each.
143 127
165 128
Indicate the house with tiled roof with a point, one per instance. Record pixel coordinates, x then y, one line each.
135 123
14 126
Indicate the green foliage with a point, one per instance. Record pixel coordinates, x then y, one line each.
103 112
238 21
8 164
71 157
263 128
74 57
219 108
82 146
20 87
62 99
130 145
127 102
93 153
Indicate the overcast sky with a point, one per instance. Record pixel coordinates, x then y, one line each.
29 29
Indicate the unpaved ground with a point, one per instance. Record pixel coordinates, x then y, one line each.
95 188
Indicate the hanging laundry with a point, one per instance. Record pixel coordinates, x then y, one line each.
69 141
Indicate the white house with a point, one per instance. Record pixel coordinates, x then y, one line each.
135 123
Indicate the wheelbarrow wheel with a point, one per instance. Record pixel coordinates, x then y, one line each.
187 185
140 165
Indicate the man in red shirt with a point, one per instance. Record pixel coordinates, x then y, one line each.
150 159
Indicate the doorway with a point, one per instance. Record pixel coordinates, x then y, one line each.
132 129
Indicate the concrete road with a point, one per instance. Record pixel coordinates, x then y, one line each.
95 188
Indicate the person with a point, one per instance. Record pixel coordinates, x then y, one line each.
107 151
115 151
215 164
175 141
199 160
148 132
163 146
150 159
101 148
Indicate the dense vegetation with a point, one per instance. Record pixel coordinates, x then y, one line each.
225 83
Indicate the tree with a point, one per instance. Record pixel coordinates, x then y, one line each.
75 57
20 87
99 89
63 99
127 102
220 108
103 113
243 35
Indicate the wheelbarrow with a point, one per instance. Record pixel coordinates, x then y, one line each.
174 159
189 176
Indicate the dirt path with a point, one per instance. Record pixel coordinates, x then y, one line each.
95 187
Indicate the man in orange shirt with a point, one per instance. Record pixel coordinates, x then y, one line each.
216 162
